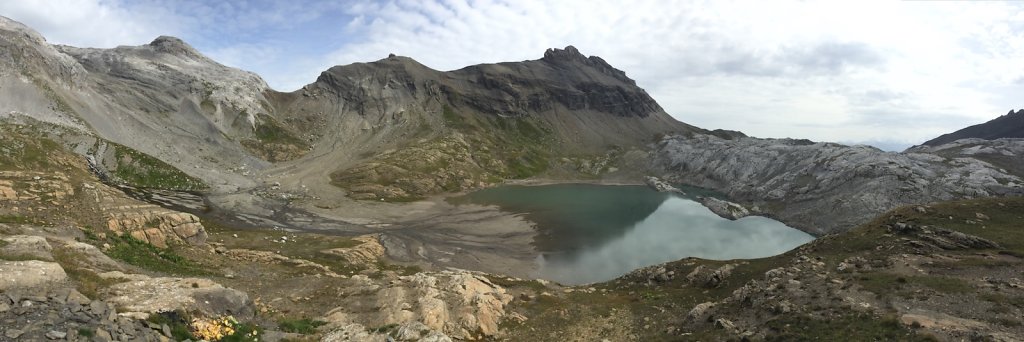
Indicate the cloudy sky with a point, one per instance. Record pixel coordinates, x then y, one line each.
887 73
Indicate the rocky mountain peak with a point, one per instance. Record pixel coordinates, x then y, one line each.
572 55
174 46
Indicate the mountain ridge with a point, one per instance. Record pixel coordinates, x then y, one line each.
564 103
1009 125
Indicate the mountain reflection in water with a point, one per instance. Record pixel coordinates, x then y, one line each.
591 233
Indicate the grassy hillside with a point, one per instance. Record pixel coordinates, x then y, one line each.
471 151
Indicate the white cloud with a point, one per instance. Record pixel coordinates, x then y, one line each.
777 69
91 23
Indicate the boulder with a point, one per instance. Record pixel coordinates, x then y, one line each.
700 311
449 304
26 247
368 251
142 295
88 255
704 277
31 275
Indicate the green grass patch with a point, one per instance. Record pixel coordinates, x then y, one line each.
1001 298
273 142
90 234
455 120
244 332
303 326
143 171
306 246
974 262
86 332
883 283
404 270
509 283
1002 227
139 253
852 327
18 219
269 131
177 321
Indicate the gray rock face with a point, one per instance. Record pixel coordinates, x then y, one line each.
31 275
143 295
26 247
824 188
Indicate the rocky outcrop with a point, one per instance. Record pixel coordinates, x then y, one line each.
823 187
661 186
459 304
938 238
366 252
47 188
141 296
66 315
146 222
413 331
725 209
30 275
35 195
25 247
157 226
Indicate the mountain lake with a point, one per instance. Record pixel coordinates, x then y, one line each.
591 233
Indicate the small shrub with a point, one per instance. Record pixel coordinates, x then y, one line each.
86 332
384 329
177 321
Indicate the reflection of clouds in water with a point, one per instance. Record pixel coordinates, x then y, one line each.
679 228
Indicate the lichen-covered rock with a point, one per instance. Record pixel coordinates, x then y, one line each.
32 275
459 304
368 251
143 295
26 246
157 226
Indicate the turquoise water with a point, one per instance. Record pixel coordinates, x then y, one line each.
592 233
